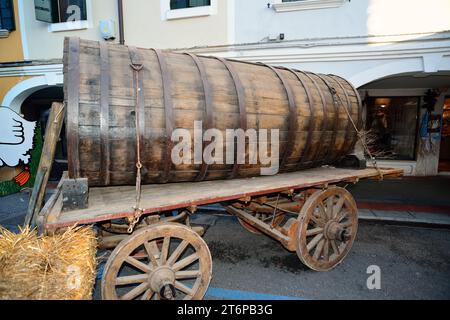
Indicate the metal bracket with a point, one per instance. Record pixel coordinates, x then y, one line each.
75 194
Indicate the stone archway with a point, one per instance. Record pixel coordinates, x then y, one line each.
20 92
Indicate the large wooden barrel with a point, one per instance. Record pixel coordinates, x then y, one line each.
180 88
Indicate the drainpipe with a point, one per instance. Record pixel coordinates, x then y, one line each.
121 27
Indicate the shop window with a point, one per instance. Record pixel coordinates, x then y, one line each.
183 4
392 125
57 11
446 119
444 155
7 15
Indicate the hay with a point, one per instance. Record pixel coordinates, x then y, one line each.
58 267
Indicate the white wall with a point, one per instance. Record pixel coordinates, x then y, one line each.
254 21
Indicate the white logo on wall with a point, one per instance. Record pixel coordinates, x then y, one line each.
16 138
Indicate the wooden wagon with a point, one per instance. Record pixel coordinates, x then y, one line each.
164 256
122 106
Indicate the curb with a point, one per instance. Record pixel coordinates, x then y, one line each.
434 223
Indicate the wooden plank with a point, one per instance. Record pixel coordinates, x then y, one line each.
117 202
55 122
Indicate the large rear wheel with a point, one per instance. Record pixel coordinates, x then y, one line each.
167 261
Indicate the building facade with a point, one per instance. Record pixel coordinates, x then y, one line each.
397 53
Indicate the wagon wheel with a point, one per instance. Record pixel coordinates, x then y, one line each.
327 229
176 265
266 217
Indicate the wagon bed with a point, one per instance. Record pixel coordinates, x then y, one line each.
117 202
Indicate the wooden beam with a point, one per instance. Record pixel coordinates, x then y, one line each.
55 122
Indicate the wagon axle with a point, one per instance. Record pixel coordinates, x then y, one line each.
334 231
322 233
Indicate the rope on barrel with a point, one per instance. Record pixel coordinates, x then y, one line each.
137 66
359 133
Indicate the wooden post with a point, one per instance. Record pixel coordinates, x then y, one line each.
52 134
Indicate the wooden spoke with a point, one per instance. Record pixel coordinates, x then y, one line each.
318 221
165 250
135 292
178 252
329 207
153 252
136 263
163 267
326 249
190 274
342 215
338 207
335 247
147 295
319 249
183 288
323 211
313 232
316 244
131 279
185 262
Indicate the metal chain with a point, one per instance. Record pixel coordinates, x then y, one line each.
138 211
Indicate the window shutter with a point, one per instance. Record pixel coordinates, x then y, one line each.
46 10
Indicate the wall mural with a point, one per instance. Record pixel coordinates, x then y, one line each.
20 148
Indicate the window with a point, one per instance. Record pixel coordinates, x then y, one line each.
185 9
183 4
7 15
57 11
392 127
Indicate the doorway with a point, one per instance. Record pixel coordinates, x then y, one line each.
444 156
37 108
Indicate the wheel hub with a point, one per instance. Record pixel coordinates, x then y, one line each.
334 231
162 280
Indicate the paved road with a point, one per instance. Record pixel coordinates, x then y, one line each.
415 262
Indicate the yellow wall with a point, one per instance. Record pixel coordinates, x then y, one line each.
145 28
11 47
